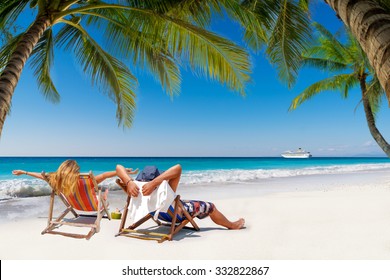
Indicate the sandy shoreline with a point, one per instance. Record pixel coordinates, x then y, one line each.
322 217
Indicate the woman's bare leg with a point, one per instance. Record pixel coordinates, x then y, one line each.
221 220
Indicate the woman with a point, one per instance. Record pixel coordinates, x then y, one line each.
172 175
65 179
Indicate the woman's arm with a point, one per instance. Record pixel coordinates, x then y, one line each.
32 174
109 174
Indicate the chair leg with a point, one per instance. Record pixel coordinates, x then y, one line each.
51 207
186 214
52 224
124 216
91 232
174 218
68 205
190 219
138 223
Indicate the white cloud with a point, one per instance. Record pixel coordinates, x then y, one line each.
369 144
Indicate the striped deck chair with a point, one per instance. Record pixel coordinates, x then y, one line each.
86 205
170 218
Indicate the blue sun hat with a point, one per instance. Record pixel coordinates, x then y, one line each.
148 174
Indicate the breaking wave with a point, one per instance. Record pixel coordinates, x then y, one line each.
240 175
20 188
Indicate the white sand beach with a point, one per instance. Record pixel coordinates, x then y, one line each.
324 217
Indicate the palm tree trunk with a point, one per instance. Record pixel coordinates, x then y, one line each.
380 140
11 73
370 24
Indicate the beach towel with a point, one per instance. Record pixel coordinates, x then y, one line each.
158 201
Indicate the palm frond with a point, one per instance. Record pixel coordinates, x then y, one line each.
375 94
111 75
360 59
385 4
331 46
10 10
304 4
247 18
206 53
209 54
7 49
199 13
290 36
41 61
341 83
5 35
254 25
350 81
324 64
144 49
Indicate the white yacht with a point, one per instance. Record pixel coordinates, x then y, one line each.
296 154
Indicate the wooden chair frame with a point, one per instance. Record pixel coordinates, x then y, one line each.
54 223
175 226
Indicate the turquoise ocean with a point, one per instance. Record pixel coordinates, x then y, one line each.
196 170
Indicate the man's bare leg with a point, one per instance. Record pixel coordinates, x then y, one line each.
221 220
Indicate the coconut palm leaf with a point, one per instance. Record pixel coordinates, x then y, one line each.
10 10
144 49
41 61
206 53
342 83
331 45
209 54
385 5
288 39
197 12
255 34
112 76
7 49
288 33
323 64
375 94
304 4
255 30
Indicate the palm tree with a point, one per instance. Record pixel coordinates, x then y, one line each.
369 22
286 22
156 35
351 67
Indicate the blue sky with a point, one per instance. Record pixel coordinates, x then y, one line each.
205 120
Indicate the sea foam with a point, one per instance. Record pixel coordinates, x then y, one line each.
19 188
247 175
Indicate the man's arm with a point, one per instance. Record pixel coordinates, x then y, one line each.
109 174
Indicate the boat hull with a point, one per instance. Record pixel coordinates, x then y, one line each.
296 156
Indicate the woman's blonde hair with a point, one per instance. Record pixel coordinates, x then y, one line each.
65 179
